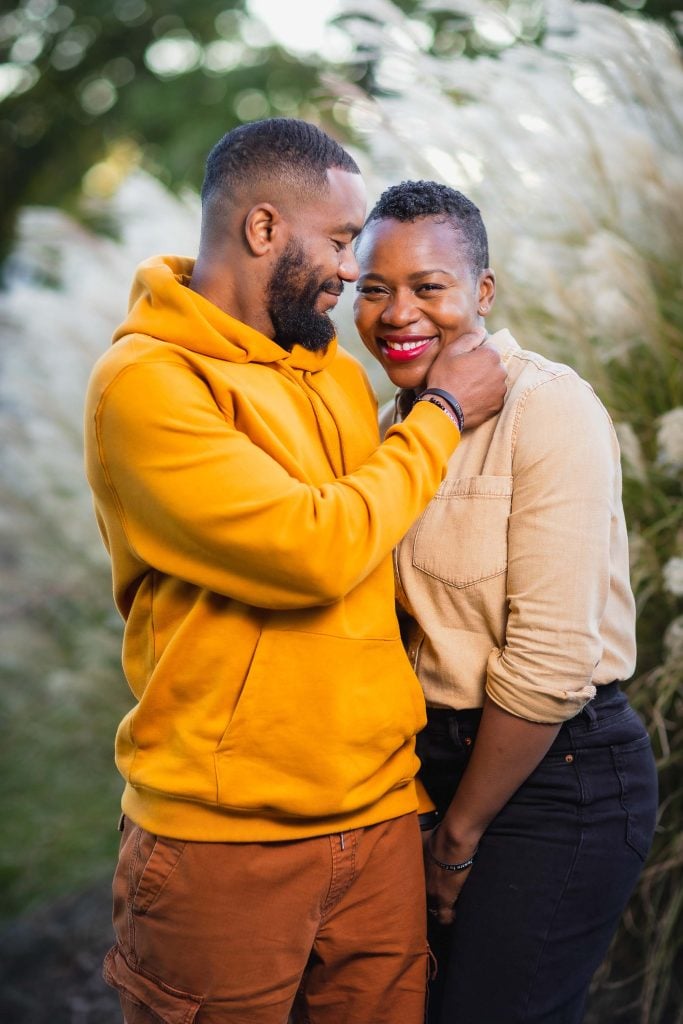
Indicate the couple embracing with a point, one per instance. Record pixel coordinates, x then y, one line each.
275 841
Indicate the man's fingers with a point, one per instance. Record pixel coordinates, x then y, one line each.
477 379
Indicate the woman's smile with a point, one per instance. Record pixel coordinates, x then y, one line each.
402 348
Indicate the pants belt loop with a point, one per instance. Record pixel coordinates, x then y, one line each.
591 714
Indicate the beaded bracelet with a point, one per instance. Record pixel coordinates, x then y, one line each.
452 401
462 866
433 400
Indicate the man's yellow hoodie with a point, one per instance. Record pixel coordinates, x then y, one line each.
249 512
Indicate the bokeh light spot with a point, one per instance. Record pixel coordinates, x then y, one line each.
173 55
104 178
222 55
39 9
98 96
119 70
27 47
71 48
15 79
131 11
251 104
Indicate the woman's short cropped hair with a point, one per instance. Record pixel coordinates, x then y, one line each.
414 199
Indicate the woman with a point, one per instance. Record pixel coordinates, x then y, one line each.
516 579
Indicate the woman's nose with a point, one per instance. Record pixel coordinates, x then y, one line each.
400 310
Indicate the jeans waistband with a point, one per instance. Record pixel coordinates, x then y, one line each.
605 692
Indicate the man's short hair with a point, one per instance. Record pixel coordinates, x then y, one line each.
414 199
277 148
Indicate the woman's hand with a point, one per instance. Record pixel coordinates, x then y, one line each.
505 752
444 886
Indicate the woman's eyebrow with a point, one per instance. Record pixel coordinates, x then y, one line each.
411 277
371 273
426 273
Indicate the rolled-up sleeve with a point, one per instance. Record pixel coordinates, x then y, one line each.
566 474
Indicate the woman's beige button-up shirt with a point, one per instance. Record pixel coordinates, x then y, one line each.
517 572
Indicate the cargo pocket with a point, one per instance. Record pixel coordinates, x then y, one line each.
146 1000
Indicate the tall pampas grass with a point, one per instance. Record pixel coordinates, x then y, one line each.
60 636
565 125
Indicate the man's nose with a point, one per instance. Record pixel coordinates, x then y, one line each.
348 266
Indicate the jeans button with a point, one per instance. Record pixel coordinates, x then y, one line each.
569 758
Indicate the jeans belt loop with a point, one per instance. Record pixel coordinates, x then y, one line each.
591 714
453 730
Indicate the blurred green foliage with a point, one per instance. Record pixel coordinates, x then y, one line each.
60 795
154 81
158 81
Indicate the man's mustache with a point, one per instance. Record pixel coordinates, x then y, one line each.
332 287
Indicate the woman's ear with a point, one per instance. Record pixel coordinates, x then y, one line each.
486 292
262 225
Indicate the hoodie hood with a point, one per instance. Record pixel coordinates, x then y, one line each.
163 306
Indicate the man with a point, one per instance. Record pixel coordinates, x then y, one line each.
270 853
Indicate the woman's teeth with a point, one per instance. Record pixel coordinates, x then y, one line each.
405 346
405 351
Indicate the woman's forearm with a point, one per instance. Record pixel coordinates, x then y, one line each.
506 751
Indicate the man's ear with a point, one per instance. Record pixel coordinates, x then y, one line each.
487 291
262 226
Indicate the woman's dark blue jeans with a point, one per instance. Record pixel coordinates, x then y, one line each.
554 871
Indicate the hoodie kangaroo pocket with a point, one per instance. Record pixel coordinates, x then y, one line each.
324 726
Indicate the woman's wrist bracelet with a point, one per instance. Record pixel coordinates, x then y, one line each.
452 401
433 400
462 866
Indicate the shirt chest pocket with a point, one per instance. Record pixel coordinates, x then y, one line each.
461 538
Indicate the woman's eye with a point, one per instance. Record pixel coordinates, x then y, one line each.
430 288
367 289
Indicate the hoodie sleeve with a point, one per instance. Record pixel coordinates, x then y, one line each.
196 499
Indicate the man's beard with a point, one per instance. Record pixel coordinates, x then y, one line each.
292 291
